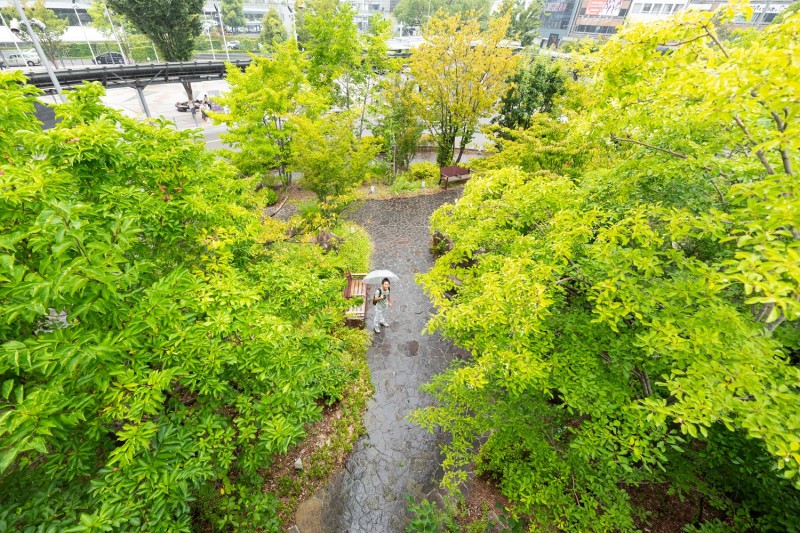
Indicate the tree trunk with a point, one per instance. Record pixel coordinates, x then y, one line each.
187 86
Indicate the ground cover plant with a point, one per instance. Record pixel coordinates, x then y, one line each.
160 341
626 274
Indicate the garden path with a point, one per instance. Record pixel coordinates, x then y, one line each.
395 457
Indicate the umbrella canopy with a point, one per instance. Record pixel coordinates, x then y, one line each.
376 276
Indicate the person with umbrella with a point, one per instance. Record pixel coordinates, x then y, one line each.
382 297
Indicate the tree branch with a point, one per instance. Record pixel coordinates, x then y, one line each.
640 143
716 41
787 162
759 153
644 379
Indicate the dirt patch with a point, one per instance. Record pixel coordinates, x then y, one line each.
665 513
483 503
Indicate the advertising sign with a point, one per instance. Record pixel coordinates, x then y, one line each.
603 8
555 7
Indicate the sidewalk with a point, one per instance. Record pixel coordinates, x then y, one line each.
161 100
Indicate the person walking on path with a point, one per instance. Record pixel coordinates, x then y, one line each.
382 299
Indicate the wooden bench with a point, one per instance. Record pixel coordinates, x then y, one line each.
453 174
356 315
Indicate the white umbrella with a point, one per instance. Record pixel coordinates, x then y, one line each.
376 276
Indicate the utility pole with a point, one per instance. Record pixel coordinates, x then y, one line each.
46 62
114 31
80 23
211 43
222 30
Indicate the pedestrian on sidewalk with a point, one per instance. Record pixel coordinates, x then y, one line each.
382 300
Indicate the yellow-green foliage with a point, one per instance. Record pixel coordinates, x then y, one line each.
424 170
628 282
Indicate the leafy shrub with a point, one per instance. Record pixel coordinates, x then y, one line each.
428 518
404 183
424 170
355 251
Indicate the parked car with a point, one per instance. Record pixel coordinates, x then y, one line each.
109 58
27 58
234 45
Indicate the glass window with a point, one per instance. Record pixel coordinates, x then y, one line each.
637 8
647 8
656 9
667 8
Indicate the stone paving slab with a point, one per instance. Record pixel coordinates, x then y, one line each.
395 457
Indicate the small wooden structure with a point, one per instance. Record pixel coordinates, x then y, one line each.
453 174
356 315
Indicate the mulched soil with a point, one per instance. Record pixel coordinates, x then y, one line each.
661 512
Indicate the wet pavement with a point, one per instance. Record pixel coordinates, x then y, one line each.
396 458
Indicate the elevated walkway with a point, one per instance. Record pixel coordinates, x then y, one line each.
136 76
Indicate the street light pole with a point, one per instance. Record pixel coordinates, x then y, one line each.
114 31
46 62
222 30
210 42
3 20
77 16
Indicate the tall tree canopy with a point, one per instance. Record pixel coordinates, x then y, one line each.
233 14
272 29
533 90
332 40
525 16
461 72
160 343
417 12
173 25
628 283
263 103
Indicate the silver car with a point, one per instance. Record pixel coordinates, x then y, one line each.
27 58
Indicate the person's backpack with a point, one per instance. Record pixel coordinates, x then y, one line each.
374 301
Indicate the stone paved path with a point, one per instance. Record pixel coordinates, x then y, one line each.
395 457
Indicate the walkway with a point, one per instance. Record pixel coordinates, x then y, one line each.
396 457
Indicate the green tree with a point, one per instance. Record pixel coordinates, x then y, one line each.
332 44
264 101
122 26
461 72
396 120
49 37
633 313
233 14
173 25
793 8
272 30
525 19
151 341
533 90
417 12
330 157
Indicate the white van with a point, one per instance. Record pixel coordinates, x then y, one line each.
27 58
